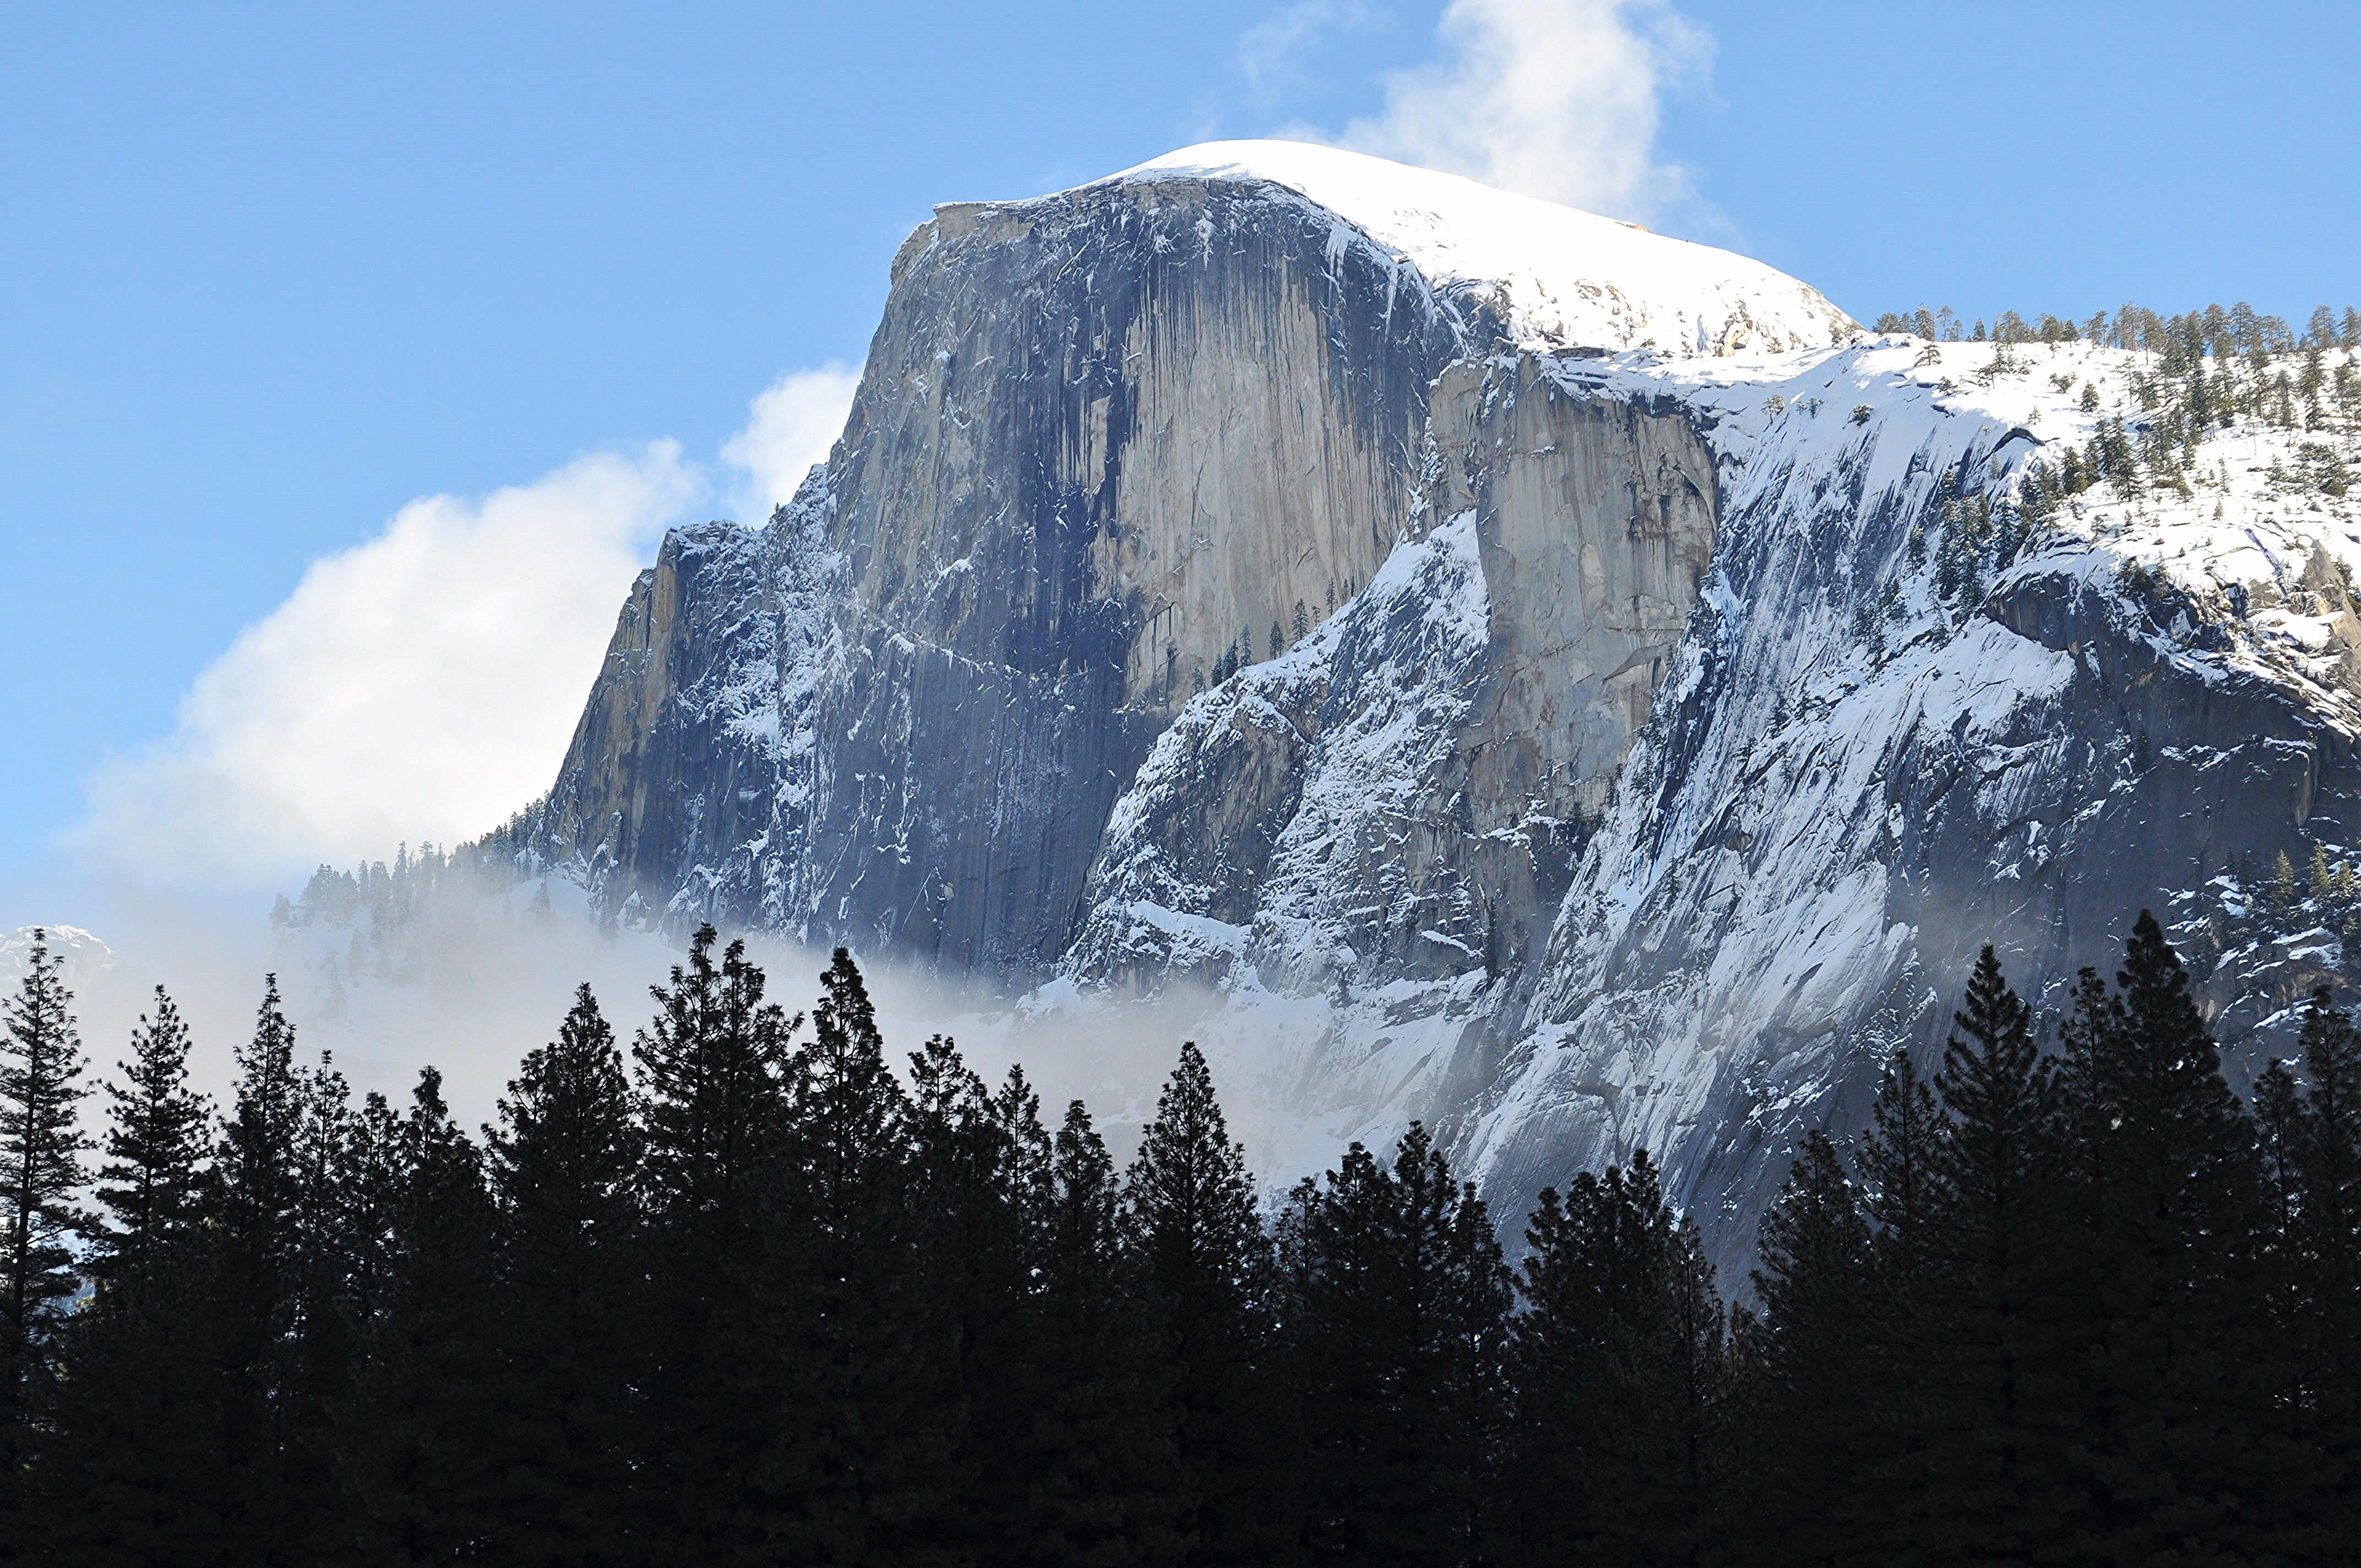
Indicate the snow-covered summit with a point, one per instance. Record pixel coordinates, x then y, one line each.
1568 279
85 955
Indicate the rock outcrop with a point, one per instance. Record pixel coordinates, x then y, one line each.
1108 446
1561 682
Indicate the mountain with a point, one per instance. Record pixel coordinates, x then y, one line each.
86 958
1567 684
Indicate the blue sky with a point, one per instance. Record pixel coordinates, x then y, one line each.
268 274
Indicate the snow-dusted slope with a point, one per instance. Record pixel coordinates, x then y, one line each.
1857 773
1902 717
1563 278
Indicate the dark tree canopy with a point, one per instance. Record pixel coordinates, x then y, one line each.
764 1296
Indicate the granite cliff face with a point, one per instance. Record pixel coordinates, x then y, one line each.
1109 445
1563 683
1404 795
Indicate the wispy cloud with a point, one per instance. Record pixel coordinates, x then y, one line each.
1269 56
420 685
790 427
1560 99
424 685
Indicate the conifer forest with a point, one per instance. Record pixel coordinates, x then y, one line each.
741 1290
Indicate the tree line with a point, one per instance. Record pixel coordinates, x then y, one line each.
2238 329
751 1295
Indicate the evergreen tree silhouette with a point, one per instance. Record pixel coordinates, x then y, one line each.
256 1202
155 1147
1997 1405
2307 1265
1202 1260
2328 1159
417 1450
1809 1498
712 1102
132 1465
1899 1170
561 1164
2169 1201
1619 1363
977 1171
875 1442
41 1173
1097 1452
1472 1403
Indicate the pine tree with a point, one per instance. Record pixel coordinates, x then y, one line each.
1188 1213
258 1202
416 1450
711 1095
1898 1167
977 1196
2293 1363
1697 1402
872 1356
2326 1175
1474 1399
132 1467
155 1146
348 1185
1555 1491
1996 1409
1401 1329
2281 1132
1098 1451
1345 1374
1812 1452
1619 1374
563 1297
711 1098
41 1150
2170 1196
255 1163
2284 886
135 1465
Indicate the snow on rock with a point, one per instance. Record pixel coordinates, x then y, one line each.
1874 745
1554 681
86 957
1566 279
1274 809
1856 771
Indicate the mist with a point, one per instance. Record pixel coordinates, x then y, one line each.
391 968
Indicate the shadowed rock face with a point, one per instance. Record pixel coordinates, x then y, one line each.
1107 445
665 770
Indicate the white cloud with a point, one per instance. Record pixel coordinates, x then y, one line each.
789 427
421 686
424 685
1552 98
